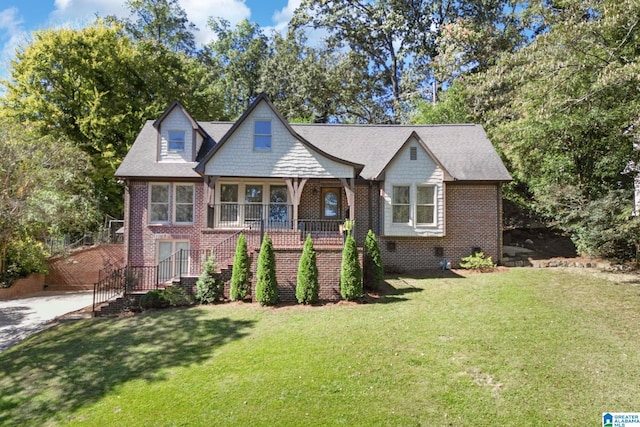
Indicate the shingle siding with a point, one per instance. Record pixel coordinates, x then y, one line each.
288 156
176 121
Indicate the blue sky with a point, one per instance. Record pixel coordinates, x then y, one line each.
18 18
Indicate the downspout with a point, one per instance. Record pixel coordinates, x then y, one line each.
500 214
127 220
370 206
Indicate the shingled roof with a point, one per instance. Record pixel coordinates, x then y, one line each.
464 150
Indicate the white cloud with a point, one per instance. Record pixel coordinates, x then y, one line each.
199 12
12 34
282 17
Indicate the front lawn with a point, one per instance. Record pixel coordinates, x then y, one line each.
523 347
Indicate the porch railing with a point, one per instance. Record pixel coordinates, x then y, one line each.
252 216
122 281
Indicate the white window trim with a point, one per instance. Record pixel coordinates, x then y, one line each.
150 204
184 141
393 204
171 214
434 204
270 135
175 203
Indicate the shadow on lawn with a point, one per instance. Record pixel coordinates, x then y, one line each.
69 367
389 293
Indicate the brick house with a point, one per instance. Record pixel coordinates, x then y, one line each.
429 192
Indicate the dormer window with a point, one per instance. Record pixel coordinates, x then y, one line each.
262 135
176 140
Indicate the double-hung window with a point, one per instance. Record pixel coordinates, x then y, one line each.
184 203
167 198
176 140
401 203
278 209
159 203
262 135
425 204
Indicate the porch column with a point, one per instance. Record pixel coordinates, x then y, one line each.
349 189
295 192
210 198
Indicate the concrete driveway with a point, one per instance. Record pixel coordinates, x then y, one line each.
22 317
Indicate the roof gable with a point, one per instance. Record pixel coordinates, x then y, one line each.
415 137
263 108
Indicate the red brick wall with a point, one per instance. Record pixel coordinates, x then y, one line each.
473 219
141 238
23 287
328 261
80 269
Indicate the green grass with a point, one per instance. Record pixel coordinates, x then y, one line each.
526 347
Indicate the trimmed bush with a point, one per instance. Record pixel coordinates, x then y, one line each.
177 296
266 283
241 273
307 280
154 299
209 287
477 261
373 269
350 271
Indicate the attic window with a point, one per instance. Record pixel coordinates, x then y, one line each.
262 135
413 153
176 140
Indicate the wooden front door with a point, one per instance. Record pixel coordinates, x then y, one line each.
331 203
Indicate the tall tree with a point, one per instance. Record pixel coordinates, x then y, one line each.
95 87
397 37
160 22
563 109
44 187
317 85
237 55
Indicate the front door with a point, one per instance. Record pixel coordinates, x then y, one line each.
331 202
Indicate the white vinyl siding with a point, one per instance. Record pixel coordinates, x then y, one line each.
414 188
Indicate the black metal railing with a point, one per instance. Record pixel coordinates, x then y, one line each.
189 262
122 281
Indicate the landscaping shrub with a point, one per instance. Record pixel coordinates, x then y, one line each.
209 287
373 269
241 273
24 256
177 296
350 271
477 261
307 280
154 299
266 283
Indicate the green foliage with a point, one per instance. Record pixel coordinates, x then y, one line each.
307 287
563 110
477 261
373 269
451 108
24 256
177 296
350 271
604 228
154 299
209 287
266 283
241 273
171 296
